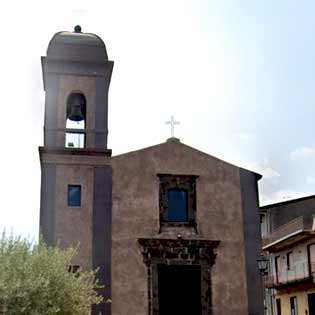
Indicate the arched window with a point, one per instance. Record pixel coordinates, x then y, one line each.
76 121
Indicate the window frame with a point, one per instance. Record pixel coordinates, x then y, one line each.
181 182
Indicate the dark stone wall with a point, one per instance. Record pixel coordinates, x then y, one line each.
252 241
47 202
101 247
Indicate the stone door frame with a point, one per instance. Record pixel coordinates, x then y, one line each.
178 252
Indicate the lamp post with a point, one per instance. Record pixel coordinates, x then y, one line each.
263 263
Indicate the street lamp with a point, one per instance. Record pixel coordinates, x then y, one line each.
262 262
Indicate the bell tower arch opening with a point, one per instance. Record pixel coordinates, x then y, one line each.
75 121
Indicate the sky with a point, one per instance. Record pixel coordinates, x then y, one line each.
238 75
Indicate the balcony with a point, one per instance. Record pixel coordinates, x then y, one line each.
302 223
302 272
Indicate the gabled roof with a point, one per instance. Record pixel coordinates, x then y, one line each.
176 142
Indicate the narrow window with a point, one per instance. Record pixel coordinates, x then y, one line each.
293 305
74 195
278 302
311 257
277 267
177 205
263 224
76 121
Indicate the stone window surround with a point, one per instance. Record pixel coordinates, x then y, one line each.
172 181
178 252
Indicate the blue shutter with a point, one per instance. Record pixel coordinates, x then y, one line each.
74 196
177 205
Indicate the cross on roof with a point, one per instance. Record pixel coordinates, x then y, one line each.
172 122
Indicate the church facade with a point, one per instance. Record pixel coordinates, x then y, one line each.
172 230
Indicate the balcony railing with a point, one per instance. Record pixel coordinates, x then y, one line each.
299 272
299 223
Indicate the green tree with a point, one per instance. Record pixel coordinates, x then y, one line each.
34 280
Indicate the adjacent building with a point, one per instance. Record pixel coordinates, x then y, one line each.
172 230
288 230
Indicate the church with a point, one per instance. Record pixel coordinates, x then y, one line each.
173 230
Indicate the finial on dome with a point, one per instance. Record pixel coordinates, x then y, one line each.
77 29
76 45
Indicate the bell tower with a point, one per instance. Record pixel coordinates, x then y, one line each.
76 178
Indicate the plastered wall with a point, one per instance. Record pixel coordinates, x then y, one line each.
136 214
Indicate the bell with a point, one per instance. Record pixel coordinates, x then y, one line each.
76 113
75 108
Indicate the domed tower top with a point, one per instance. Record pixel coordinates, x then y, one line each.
77 46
